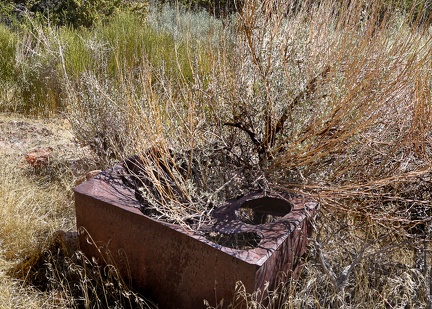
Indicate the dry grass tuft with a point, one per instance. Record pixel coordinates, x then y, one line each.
31 208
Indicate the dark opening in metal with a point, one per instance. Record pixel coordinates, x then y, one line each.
240 241
263 210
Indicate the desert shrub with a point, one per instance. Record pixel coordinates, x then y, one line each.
145 68
326 105
329 102
419 11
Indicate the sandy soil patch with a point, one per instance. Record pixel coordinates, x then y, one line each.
20 135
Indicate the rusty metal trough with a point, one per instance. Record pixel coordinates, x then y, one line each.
180 268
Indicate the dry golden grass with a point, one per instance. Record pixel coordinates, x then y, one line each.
40 266
31 210
34 203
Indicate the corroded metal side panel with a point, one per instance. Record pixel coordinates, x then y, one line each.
177 270
286 261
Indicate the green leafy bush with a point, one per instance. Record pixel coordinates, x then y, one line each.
77 13
219 8
72 13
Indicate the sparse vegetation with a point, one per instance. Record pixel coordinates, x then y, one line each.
326 98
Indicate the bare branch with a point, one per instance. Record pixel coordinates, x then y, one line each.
339 282
251 134
307 92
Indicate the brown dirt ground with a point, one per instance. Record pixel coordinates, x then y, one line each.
20 135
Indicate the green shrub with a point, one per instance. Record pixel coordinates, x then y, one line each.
72 13
219 8
77 13
127 43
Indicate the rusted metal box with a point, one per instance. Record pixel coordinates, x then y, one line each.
178 267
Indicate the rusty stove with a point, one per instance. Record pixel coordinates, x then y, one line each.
257 238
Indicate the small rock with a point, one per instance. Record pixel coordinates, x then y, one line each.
92 174
67 242
87 177
39 157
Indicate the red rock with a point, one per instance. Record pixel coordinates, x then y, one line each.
39 158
